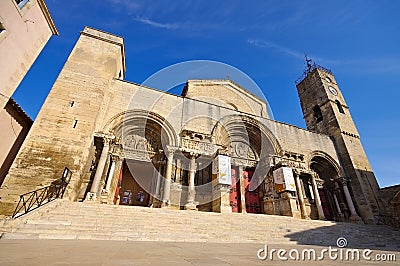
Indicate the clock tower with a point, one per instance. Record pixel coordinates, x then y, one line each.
326 112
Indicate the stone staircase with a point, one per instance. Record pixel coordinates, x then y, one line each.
63 219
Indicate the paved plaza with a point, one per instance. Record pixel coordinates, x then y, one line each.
91 252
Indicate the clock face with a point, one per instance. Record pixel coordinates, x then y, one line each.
333 90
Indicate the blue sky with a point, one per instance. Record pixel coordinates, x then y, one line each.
358 40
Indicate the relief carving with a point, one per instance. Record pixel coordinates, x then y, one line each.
198 146
242 150
137 142
269 187
242 154
292 160
138 148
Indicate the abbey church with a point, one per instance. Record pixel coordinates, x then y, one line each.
213 148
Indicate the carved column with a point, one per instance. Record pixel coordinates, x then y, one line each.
178 173
106 195
157 179
337 204
115 181
190 205
167 181
111 173
300 196
242 191
270 207
317 199
94 190
353 216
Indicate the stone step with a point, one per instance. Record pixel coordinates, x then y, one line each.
186 218
74 220
64 227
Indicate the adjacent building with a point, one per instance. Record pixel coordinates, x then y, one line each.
25 28
15 125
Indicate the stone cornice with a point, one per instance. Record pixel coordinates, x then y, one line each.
47 16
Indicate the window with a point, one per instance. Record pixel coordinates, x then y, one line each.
317 114
21 3
340 107
2 28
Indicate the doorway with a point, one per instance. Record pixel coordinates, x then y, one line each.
252 197
325 204
135 186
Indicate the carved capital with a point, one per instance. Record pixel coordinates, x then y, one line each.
107 137
343 180
116 157
193 155
169 152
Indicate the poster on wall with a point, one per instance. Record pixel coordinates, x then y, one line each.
127 197
221 170
284 180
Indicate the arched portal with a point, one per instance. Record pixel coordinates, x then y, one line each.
330 189
144 139
250 144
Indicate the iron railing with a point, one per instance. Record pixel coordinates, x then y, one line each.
34 199
310 68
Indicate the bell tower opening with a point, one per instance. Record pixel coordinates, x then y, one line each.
317 113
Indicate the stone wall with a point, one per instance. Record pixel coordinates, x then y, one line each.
389 199
62 133
227 94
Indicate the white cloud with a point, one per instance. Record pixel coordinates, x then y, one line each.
168 26
280 48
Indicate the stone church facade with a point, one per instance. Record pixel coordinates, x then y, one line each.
132 145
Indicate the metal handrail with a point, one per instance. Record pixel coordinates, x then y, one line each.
310 68
39 197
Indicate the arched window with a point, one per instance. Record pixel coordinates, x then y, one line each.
317 113
340 107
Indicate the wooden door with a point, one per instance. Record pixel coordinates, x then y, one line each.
234 195
252 197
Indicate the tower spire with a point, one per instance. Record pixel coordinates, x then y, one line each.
310 66
308 63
